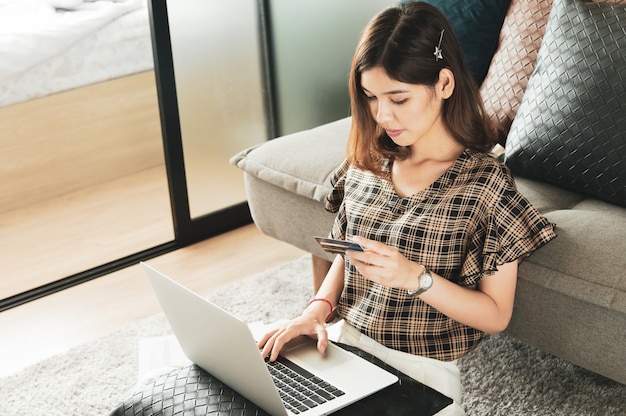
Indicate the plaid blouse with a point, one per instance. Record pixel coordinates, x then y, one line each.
461 227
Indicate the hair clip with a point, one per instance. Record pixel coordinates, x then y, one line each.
438 54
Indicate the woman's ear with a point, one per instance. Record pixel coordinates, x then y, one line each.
446 83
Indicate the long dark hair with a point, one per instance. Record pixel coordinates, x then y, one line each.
401 40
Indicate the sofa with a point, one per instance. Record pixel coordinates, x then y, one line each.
554 88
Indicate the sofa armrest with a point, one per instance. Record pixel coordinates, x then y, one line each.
302 162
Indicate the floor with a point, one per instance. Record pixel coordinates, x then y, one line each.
61 236
56 323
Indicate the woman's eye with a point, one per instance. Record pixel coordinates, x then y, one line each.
399 102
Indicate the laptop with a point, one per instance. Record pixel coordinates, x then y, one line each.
224 346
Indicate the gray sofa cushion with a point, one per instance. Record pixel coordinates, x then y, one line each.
302 162
582 261
547 197
585 260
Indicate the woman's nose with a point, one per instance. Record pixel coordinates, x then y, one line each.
383 113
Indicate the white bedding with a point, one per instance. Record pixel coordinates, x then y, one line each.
45 50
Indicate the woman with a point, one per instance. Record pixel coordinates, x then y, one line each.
441 223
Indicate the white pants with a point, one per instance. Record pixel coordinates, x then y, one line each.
445 377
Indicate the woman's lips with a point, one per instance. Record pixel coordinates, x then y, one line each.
393 133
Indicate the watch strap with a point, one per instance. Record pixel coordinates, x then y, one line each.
420 289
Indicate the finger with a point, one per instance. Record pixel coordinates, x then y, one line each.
322 338
263 341
366 243
363 260
268 346
273 343
373 246
279 342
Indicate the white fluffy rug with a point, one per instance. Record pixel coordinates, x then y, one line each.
501 377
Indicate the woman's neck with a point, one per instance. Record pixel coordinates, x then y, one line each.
441 149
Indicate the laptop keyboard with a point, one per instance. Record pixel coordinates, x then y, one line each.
299 389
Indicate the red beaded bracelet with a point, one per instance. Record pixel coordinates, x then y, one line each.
330 314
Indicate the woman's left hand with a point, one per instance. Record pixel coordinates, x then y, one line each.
384 264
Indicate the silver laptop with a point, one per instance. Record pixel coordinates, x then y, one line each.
224 347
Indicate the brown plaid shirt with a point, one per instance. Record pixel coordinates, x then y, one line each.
463 226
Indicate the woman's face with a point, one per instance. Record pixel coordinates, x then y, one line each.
407 112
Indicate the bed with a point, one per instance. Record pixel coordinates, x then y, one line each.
76 86
45 49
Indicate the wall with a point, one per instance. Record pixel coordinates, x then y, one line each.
312 44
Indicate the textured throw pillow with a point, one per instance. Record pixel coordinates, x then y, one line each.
570 129
513 62
477 25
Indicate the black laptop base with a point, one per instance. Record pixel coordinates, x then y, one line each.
190 387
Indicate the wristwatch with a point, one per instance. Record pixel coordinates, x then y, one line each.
426 281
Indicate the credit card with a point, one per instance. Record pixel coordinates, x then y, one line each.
330 245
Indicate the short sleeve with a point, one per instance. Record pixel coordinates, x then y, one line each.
334 201
338 182
513 230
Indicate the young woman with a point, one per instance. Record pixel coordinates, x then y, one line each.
441 222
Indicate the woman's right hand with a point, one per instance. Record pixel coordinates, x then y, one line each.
310 323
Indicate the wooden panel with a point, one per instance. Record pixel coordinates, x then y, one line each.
67 141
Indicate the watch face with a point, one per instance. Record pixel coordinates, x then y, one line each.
426 281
